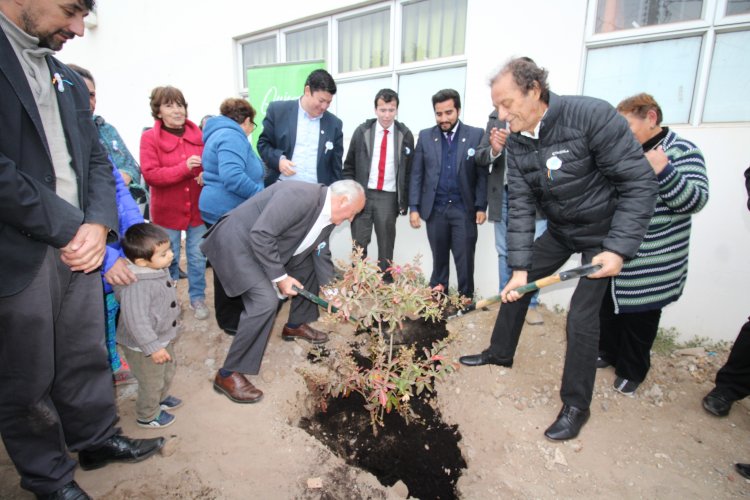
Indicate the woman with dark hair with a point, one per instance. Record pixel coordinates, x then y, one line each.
171 164
655 277
232 174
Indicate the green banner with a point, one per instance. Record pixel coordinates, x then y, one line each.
278 82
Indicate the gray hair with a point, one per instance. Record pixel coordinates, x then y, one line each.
526 74
347 188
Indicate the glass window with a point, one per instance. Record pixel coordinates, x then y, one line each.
415 93
727 99
738 7
309 44
257 53
365 41
615 15
665 69
432 29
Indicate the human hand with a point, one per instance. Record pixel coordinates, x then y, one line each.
193 162
497 140
414 220
86 250
286 167
285 286
519 278
126 177
199 179
119 274
658 159
161 356
611 264
481 217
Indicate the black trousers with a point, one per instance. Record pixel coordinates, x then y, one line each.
451 228
733 378
626 339
56 391
582 329
380 212
227 309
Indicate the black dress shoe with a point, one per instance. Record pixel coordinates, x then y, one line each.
717 403
70 491
485 358
568 424
119 448
743 469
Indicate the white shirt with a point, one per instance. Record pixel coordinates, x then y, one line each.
389 180
305 156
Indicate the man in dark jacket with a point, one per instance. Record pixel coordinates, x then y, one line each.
379 158
57 201
573 157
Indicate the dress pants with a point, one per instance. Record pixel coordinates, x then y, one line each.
451 228
380 212
582 329
227 309
56 390
733 378
256 321
626 339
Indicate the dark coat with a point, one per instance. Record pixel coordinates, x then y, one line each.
32 216
359 157
280 135
495 178
603 194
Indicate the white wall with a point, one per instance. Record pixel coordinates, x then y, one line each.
140 44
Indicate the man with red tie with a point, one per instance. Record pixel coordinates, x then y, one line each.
379 158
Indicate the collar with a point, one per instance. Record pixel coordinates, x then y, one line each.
535 133
379 128
655 140
304 113
27 43
454 130
325 214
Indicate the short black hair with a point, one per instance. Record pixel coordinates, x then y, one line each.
321 80
83 73
141 240
446 94
388 95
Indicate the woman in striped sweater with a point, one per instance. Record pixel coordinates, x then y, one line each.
656 276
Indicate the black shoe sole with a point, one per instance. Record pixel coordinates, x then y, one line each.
234 400
504 363
290 338
141 458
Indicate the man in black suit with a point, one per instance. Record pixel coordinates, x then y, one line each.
301 140
449 192
379 158
260 251
57 203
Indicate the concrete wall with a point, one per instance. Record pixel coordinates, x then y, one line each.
138 45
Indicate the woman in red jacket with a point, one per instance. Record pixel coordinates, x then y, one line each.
171 164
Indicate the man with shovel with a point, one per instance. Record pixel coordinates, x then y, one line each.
575 158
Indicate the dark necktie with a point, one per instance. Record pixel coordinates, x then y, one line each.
449 137
381 162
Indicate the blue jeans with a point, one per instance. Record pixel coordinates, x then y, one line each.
196 261
501 229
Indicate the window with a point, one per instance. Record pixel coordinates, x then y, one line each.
737 7
727 99
365 41
257 53
432 29
307 44
614 15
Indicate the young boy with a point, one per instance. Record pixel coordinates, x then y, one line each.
148 322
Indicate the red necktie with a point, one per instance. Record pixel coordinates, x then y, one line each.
381 162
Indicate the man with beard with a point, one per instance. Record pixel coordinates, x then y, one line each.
57 203
449 192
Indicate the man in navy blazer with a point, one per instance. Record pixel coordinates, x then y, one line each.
301 140
57 206
449 192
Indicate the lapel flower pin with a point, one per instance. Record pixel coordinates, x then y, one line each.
57 79
329 146
321 246
470 153
407 151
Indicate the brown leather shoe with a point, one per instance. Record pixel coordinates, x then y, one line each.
304 332
237 388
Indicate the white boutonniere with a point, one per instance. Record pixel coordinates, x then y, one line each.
470 153
320 247
329 146
407 151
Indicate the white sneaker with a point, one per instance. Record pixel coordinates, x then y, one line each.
200 308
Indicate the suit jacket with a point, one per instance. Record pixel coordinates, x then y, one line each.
32 216
359 157
425 172
257 240
496 178
280 134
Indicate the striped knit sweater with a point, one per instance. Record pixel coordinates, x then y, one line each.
656 275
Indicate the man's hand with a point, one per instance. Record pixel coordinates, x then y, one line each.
286 167
658 159
285 286
119 274
611 265
86 250
497 140
481 217
414 220
519 278
161 356
193 162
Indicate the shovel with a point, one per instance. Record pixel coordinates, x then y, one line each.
576 272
